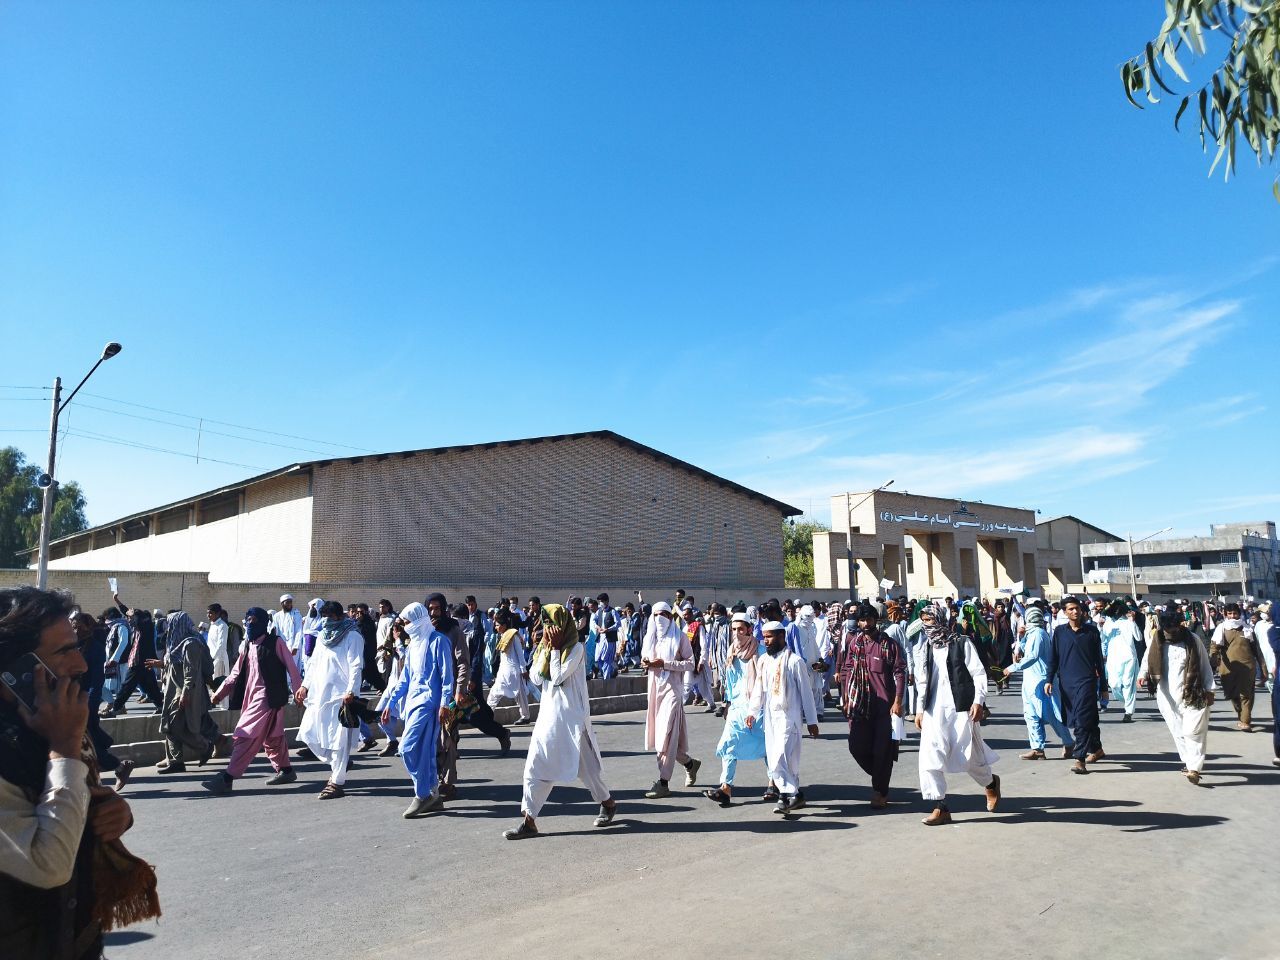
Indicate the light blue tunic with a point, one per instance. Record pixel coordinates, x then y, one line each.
1037 708
737 742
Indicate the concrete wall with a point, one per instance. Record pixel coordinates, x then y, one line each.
270 538
1066 534
563 513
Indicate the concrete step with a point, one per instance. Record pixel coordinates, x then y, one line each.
137 736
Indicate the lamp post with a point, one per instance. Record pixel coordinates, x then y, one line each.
848 526
1133 574
46 479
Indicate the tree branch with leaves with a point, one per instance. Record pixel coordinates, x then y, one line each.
1240 102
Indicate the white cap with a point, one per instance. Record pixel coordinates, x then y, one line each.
286 596
773 625
740 618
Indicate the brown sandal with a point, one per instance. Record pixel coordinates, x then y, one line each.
718 795
331 791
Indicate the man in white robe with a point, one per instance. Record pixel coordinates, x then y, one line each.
288 625
802 639
1120 647
667 657
563 746
953 688
333 677
784 691
509 681
1179 665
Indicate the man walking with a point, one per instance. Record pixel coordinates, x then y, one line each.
1074 664
332 679
563 745
1177 666
288 624
740 740
953 690
267 669
1038 707
875 678
184 718
1234 650
420 700
784 692
667 657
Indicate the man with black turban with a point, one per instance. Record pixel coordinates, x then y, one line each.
267 671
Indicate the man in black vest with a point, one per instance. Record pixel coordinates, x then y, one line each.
953 688
1075 664
265 669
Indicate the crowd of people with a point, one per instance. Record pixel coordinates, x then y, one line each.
892 667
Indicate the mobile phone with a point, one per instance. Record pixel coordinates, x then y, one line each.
20 678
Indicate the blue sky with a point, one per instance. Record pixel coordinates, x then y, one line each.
807 246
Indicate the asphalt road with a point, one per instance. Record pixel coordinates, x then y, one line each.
1129 862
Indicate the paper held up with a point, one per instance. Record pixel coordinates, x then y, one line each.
114 584
886 584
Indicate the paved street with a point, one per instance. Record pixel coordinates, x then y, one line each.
1129 862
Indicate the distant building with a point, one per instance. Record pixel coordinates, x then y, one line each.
575 511
1236 560
928 546
1058 542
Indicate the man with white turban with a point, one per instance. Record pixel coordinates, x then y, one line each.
332 680
287 623
420 701
784 692
802 640
667 656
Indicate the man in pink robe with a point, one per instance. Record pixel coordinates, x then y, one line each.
270 671
667 657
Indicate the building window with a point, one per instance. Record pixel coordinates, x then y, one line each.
136 530
173 521
1229 556
1195 563
911 562
219 508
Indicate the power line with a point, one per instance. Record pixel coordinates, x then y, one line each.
198 429
225 423
103 438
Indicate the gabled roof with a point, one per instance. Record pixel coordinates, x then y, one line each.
784 508
1083 523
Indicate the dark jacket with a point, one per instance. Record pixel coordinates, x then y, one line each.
962 688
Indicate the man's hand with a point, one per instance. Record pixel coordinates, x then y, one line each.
813 731
657 664
896 708
300 696
1008 670
109 814
919 718
386 716
446 716
975 712
153 664
1208 696
61 714
751 721
349 698
1048 689
184 701
553 636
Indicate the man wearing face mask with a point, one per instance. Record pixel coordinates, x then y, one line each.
270 671
784 691
332 679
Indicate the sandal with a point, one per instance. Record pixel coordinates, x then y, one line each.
718 795
331 791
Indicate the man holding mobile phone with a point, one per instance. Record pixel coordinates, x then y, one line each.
55 819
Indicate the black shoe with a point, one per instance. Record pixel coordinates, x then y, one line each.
1128 718
784 804
797 802
219 783
306 754
286 775
391 749
770 795
504 744
367 745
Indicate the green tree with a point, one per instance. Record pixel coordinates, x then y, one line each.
1241 98
20 504
797 552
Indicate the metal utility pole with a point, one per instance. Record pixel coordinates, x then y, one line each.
46 479
1133 573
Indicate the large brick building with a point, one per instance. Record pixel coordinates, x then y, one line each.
574 511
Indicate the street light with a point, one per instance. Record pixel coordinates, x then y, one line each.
848 525
1133 574
46 479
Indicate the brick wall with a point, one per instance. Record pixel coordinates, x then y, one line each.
564 513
